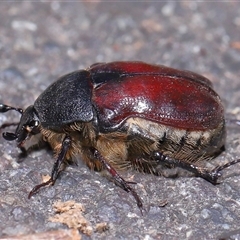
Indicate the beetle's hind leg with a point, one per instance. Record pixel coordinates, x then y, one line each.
209 175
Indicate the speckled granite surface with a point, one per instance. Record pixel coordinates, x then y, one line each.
41 41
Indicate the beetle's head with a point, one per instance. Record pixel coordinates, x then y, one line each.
29 125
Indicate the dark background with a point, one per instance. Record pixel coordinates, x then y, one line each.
42 41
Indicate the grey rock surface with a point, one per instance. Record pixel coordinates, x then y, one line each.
41 41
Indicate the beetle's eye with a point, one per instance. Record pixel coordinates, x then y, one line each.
34 123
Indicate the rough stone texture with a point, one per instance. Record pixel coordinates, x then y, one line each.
41 41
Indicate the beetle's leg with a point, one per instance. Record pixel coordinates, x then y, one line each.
119 180
199 171
56 167
209 175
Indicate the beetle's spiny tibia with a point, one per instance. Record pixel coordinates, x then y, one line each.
118 179
163 159
211 176
56 167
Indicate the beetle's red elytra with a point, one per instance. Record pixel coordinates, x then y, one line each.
120 115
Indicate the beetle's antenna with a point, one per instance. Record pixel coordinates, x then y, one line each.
6 108
9 136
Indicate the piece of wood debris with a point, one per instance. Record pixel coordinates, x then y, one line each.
62 234
70 214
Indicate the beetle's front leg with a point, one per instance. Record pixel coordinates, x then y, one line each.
56 167
118 179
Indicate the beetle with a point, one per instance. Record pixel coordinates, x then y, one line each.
119 115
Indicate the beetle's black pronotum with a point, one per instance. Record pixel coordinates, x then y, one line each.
128 115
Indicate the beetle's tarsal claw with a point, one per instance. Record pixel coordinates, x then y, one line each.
37 187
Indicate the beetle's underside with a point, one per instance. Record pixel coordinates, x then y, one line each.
127 148
136 142
139 144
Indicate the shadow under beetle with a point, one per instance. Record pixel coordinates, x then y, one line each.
120 115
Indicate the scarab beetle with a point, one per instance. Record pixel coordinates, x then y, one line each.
121 115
